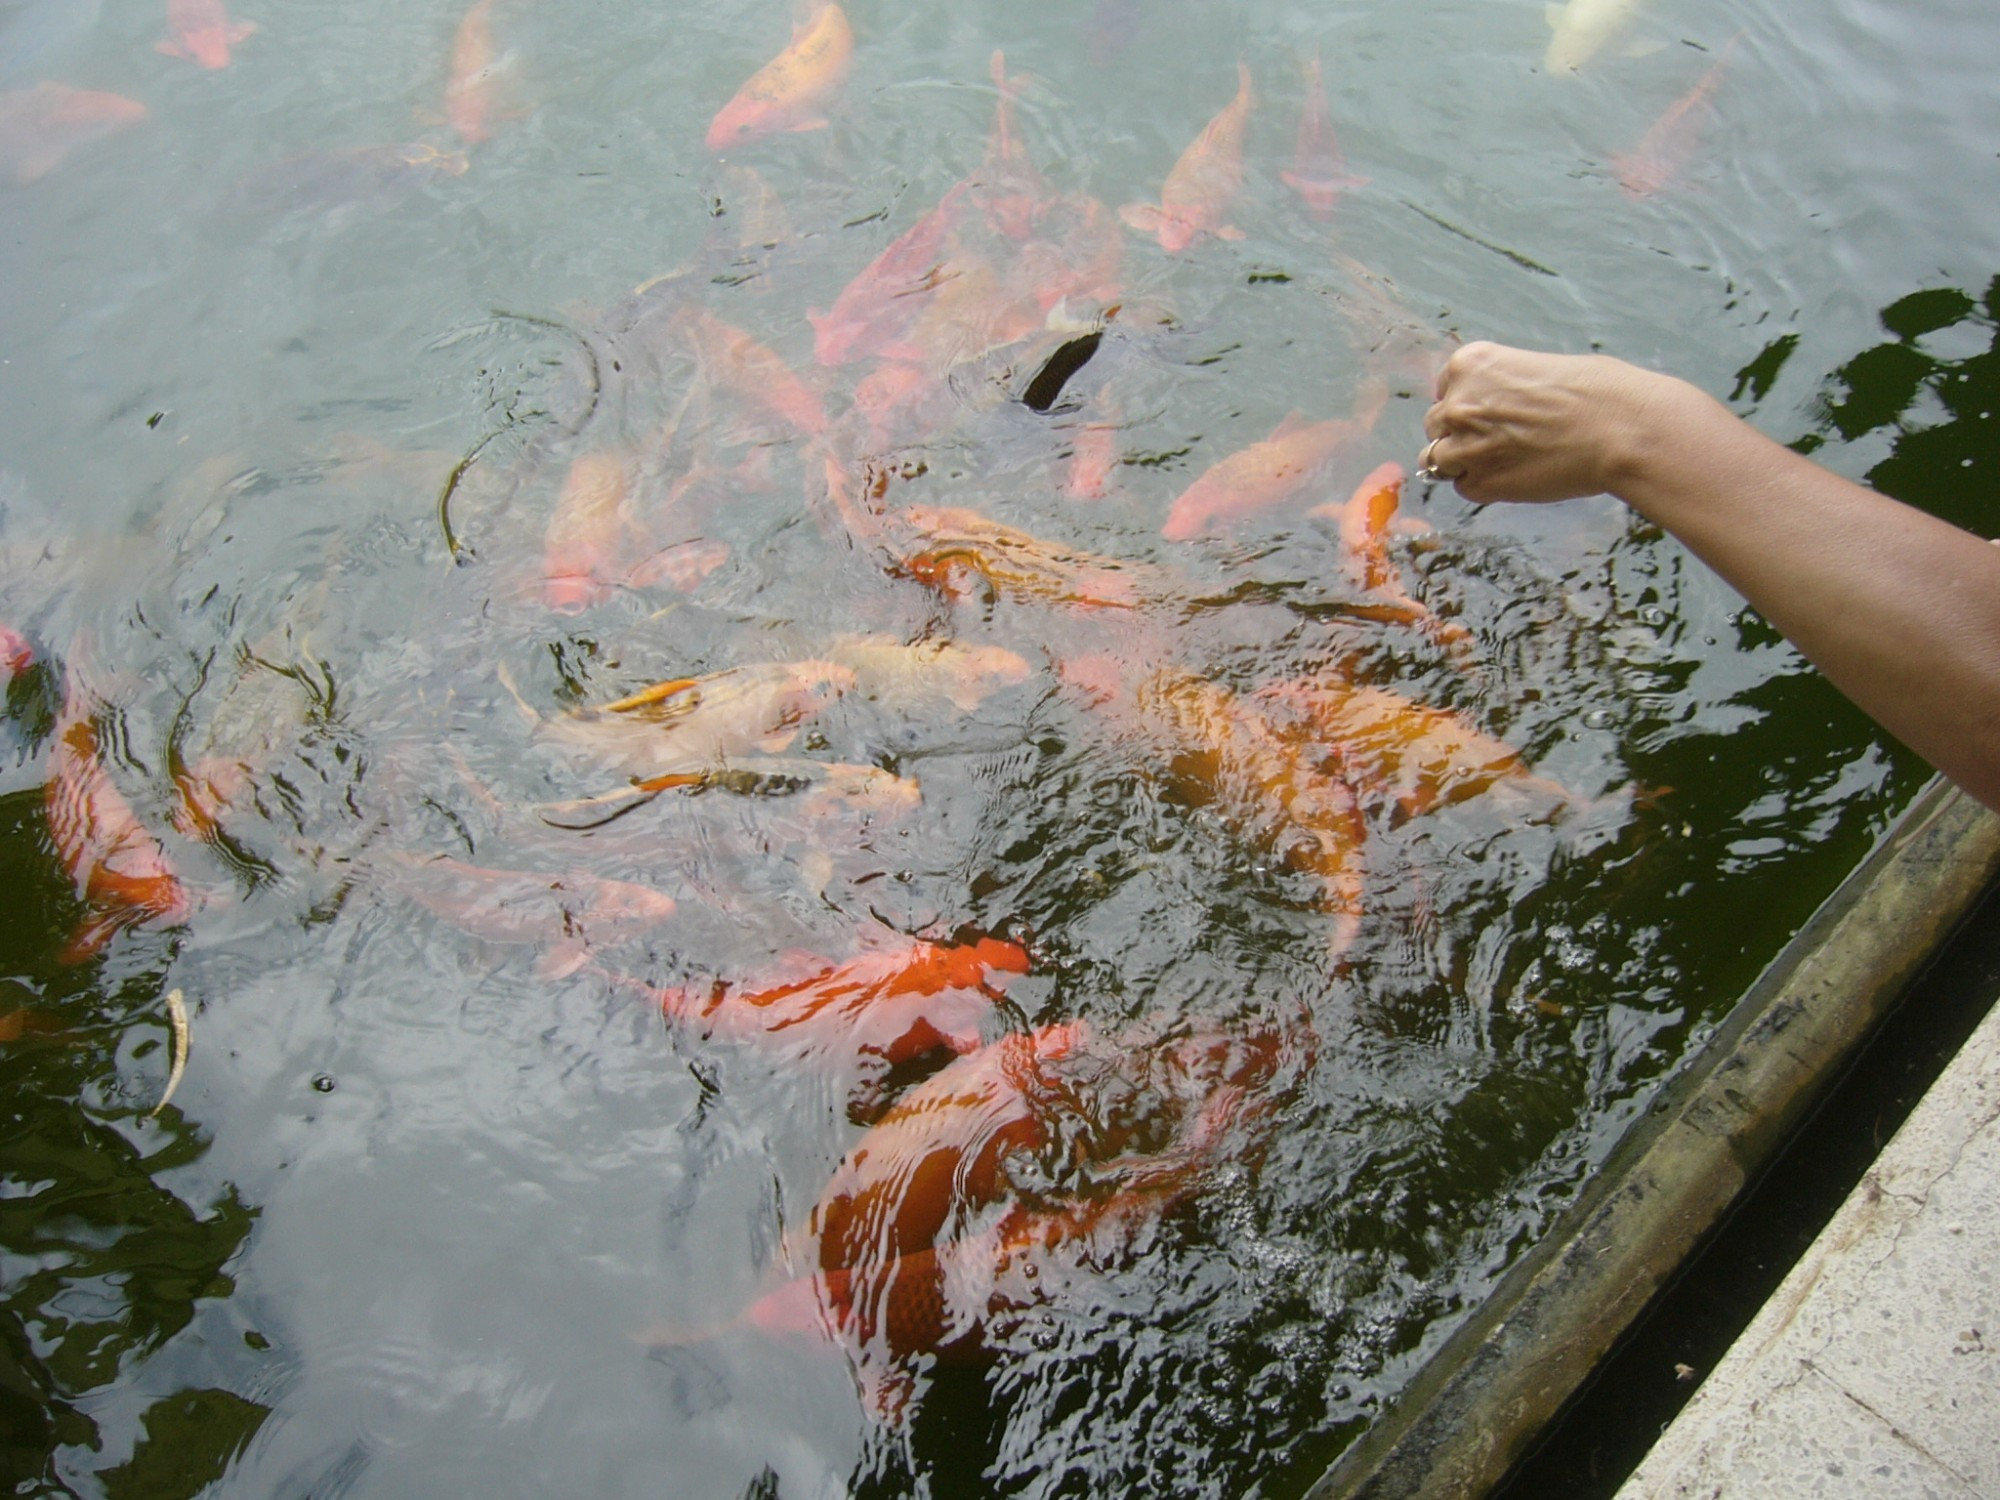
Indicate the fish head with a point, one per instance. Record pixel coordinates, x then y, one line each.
743 118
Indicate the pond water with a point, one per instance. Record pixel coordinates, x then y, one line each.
382 405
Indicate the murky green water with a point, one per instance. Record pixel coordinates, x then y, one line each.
441 1204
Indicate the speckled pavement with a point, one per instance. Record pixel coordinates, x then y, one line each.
1875 1369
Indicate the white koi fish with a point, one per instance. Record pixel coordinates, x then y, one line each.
1582 29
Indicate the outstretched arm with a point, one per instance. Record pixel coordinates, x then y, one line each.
1900 610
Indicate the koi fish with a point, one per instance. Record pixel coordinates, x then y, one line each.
925 1248
886 1005
1366 521
1408 753
1204 183
561 913
41 126
201 31
468 91
16 655
903 675
877 308
120 869
1009 189
1581 29
1318 172
1233 753
1093 454
696 725
938 1152
582 547
790 92
955 543
733 360
1267 473
1670 144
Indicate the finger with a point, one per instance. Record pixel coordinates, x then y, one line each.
1434 424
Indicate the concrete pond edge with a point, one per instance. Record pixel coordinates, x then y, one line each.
1486 1395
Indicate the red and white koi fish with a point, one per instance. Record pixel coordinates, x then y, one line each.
121 870
891 1004
201 31
1267 473
1670 144
1204 184
1318 172
41 126
791 91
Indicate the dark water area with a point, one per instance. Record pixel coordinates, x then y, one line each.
730 885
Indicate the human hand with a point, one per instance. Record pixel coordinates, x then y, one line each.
1514 424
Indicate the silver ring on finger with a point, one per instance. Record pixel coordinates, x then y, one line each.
1427 470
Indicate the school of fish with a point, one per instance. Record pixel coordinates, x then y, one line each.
984 1147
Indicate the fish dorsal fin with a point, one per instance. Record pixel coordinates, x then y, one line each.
1295 422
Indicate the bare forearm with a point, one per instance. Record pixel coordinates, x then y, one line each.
1900 610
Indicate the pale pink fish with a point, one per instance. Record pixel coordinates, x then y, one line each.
1318 172
1267 473
41 126
1670 145
468 93
16 654
1204 184
875 310
201 31
792 90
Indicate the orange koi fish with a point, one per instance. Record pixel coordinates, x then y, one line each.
582 548
1318 172
1267 473
1411 754
888 1005
938 1154
924 1245
468 91
1670 144
41 126
121 870
201 31
731 359
1204 183
877 308
1280 791
1366 522
957 546
791 91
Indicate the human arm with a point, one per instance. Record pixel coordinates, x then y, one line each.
1900 610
